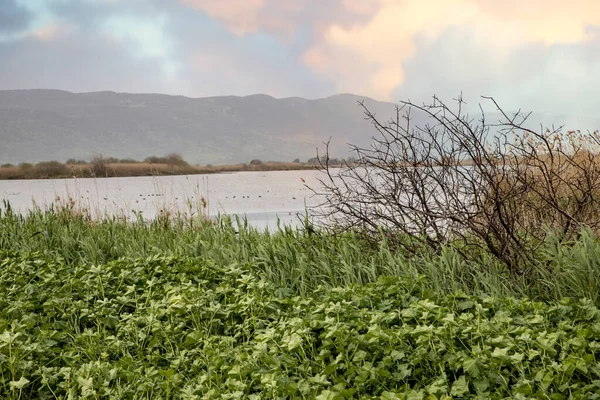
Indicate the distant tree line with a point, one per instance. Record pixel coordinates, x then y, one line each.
170 159
98 166
331 161
173 163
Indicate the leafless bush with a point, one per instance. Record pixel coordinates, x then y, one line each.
500 187
99 166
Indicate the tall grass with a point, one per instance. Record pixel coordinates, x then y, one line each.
299 260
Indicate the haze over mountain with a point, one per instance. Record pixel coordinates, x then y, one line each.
38 125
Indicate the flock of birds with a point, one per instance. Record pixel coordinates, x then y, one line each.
177 198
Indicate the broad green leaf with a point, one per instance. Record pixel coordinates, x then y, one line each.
20 384
460 387
328 395
472 366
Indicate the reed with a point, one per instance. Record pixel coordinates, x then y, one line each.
301 259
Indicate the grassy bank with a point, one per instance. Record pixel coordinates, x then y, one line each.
57 170
301 260
180 308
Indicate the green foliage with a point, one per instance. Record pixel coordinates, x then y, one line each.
74 161
301 260
170 159
172 327
50 169
190 309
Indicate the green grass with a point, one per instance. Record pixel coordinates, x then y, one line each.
300 260
182 308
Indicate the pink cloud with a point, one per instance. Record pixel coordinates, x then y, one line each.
48 32
361 45
283 17
369 57
241 16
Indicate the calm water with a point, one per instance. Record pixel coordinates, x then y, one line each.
260 196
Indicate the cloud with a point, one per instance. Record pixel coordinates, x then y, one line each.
283 17
374 53
243 69
150 46
538 53
241 16
559 78
145 36
13 17
72 64
90 45
51 32
547 21
363 45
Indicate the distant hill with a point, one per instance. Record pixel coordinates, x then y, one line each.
37 125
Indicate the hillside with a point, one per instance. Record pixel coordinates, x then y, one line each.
38 125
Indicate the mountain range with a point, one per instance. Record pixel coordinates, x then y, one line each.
38 125
41 124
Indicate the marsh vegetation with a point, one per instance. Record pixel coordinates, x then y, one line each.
109 167
493 296
184 308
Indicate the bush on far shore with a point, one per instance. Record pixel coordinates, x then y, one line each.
101 166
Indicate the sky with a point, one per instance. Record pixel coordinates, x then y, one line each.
539 55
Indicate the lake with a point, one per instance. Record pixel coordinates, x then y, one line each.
261 197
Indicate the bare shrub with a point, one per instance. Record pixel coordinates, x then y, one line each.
99 166
500 187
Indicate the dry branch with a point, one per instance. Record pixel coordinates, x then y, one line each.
501 186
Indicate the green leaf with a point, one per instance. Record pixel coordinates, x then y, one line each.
8 337
536 320
465 305
327 395
500 352
460 387
557 396
294 341
20 384
167 373
517 357
428 305
481 385
531 354
472 366
438 386
359 356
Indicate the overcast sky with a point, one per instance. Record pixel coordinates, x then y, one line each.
542 55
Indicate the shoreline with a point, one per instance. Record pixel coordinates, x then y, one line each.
127 170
